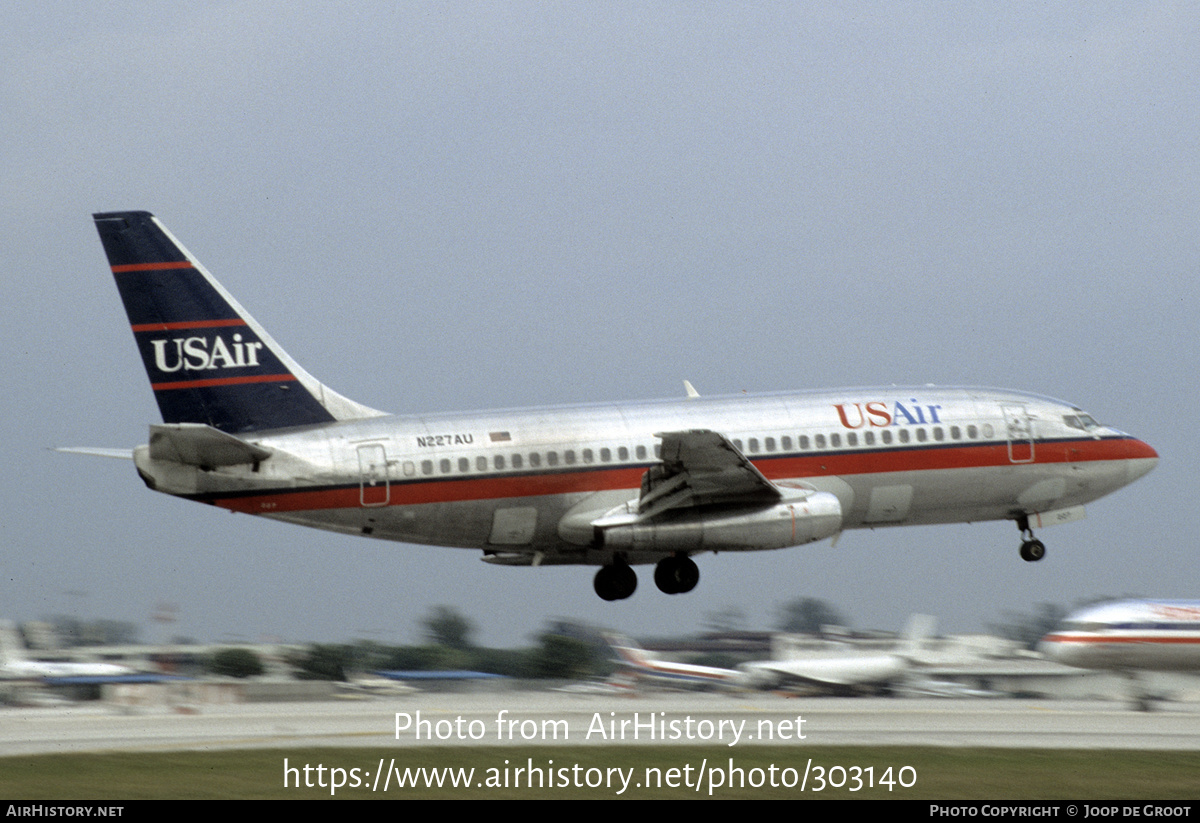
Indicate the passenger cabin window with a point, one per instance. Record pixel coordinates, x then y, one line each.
869 438
569 457
641 452
852 439
955 433
535 460
804 442
551 458
785 443
426 467
498 462
886 436
903 435
481 464
444 465
835 440
622 453
769 444
820 441
605 455
972 432
518 461
587 456
754 445
464 465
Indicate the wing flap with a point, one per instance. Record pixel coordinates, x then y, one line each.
700 468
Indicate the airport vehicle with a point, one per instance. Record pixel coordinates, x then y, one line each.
16 665
245 428
1129 635
843 670
635 660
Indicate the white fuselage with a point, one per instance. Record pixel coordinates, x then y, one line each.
1130 635
524 483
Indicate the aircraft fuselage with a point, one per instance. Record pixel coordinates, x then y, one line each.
508 481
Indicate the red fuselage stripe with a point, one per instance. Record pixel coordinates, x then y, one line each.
402 492
1156 640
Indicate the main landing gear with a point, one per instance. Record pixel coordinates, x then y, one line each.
615 582
1032 549
676 574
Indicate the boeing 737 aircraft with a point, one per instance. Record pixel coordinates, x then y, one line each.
245 428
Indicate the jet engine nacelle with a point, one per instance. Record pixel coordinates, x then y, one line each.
791 523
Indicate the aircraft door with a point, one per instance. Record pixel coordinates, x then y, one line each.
1020 434
374 484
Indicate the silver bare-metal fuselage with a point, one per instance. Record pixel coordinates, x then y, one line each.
528 485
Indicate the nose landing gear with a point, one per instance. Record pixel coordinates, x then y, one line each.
1032 549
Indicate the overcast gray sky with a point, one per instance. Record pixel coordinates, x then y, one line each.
439 206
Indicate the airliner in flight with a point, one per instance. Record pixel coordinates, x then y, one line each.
613 485
1129 635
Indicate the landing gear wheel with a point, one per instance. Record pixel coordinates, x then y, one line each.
1032 551
677 574
615 582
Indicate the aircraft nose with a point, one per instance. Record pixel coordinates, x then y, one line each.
1140 460
1053 648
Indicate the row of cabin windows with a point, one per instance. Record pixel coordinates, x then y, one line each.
500 462
937 434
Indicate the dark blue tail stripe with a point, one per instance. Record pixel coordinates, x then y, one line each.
206 363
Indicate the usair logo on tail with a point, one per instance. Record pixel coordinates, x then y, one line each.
202 354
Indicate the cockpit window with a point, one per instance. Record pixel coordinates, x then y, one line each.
1084 422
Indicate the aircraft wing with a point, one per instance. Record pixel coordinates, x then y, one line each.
699 468
829 672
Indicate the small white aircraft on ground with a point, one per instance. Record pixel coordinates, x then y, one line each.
16 665
637 662
843 671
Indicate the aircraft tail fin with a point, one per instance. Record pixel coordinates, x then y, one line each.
12 650
626 649
208 360
918 631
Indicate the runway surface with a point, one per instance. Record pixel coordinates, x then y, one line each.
536 718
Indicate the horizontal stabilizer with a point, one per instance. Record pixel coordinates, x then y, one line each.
94 451
195 444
